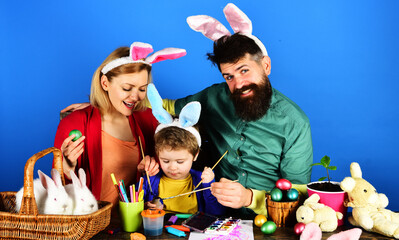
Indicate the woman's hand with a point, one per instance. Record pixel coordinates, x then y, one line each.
231 194
71 151
148 164
207 175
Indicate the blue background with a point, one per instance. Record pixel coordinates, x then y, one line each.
336 59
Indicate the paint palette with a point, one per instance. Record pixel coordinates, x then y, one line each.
202 222
222 226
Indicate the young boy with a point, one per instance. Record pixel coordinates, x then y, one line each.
177 145
177 149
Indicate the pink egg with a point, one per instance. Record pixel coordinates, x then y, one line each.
283 184
298 228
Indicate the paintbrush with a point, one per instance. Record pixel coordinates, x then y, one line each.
212 168
146 173
194 191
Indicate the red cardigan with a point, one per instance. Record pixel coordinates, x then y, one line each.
88 121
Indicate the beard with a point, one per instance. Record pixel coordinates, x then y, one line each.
253 107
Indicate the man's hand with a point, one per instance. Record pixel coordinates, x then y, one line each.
148 164
75 106
231 194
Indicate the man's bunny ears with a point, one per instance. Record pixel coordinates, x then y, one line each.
139 52
213 29
188 117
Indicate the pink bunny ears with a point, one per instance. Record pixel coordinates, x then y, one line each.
139 52
213 29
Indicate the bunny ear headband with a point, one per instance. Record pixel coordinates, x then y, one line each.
188 117
139 52
213 29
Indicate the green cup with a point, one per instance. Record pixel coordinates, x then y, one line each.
131 215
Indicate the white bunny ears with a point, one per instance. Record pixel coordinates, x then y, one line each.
139 52
188 117
213 29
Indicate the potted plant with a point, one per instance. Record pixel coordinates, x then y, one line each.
330 192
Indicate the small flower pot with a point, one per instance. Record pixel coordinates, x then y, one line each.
335 199
283 214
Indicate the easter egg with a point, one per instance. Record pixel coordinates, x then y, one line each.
77 133
276 194
299 227
292 194
268 227
260 220
283 184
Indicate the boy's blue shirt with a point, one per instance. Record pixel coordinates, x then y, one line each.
206 201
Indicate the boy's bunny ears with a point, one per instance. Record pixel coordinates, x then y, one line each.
139 52
188 117
213 29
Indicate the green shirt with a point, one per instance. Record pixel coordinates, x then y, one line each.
279 145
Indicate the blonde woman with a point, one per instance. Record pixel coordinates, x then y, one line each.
115 122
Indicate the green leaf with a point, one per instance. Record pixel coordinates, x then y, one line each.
316 164
322 178
332 167
325 161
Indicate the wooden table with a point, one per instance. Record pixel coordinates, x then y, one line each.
283 233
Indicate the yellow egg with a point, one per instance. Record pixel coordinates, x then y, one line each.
260 220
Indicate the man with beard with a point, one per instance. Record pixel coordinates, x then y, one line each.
266 134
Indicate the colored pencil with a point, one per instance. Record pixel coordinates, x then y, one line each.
134 193
131 193
116 186
141 196
123 192
140 184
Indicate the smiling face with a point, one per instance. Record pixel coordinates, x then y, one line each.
125 91
245 72
249 86
176 164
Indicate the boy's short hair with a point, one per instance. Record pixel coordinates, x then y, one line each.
175 138
230 49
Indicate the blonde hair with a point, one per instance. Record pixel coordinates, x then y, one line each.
176 138
98 97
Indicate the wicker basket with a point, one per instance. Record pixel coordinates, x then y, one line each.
283 214
28 224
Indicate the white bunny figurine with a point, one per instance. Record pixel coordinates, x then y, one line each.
84 201
50 195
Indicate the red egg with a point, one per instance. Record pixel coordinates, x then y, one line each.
283 184
299 227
